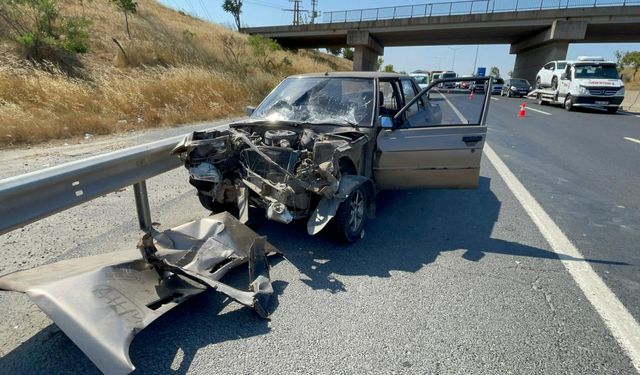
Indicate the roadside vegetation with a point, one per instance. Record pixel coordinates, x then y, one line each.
629 66
100 66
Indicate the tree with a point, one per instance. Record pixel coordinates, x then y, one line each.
334 51
629 59
378 63
347 53
42 32
235 8
388 68
126 6
494 72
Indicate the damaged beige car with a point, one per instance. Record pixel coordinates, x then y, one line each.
320 146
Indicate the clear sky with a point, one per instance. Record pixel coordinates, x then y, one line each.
270 12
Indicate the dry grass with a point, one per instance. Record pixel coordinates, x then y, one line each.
176 70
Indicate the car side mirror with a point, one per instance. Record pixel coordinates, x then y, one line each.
249 110
386 122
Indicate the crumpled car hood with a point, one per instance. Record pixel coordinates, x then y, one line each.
101 302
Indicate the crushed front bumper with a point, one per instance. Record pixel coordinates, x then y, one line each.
101 302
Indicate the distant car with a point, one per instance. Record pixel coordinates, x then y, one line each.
549 75
497 86
518 87
447 75
478 85
421 78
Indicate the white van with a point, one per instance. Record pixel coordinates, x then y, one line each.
586 82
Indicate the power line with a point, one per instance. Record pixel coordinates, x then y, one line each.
297 10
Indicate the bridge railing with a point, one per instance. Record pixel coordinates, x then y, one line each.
464 7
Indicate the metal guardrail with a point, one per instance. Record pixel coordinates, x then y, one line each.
464 7
34 196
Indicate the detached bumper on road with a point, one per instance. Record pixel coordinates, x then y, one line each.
101 302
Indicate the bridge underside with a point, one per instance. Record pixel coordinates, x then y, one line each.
535 36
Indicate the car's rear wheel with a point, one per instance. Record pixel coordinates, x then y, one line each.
538 83
351 216
612 110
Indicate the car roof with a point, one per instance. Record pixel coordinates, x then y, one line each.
352 75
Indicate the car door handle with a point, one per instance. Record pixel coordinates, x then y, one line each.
472 139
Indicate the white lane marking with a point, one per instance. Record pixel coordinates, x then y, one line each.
619 321
496 99
632 139
539 111
455 110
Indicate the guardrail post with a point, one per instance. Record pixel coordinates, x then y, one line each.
142 206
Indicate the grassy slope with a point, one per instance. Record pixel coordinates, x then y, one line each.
177 71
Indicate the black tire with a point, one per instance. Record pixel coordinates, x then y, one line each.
554 83
612 111
351 217
210 204
568 103
257 215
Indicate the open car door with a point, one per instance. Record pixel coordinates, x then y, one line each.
435 140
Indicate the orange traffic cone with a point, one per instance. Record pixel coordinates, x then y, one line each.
523 111
471 96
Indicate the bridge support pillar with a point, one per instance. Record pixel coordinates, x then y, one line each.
551 44
529 62
366 49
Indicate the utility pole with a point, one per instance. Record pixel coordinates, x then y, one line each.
314 11
297 10
475 61
453 64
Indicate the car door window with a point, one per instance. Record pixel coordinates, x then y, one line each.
390 98
443 107
409 91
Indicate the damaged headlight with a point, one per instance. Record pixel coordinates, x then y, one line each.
205 172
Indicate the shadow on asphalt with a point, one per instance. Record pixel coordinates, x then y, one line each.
411 229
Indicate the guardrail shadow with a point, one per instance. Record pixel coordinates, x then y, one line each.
167 346
410 230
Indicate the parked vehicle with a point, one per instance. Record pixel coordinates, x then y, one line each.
422 79
587 82
549 75
320 146
515 87
449 75
478 85
497 86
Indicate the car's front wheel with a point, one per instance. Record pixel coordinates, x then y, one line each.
351 217
568 103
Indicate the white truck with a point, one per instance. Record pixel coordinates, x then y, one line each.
586 82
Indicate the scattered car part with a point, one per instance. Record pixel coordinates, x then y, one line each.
101 302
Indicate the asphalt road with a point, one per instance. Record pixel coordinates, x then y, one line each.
444 282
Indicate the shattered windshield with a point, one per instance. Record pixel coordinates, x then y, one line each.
333 100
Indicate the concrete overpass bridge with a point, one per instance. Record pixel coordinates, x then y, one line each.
537 32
